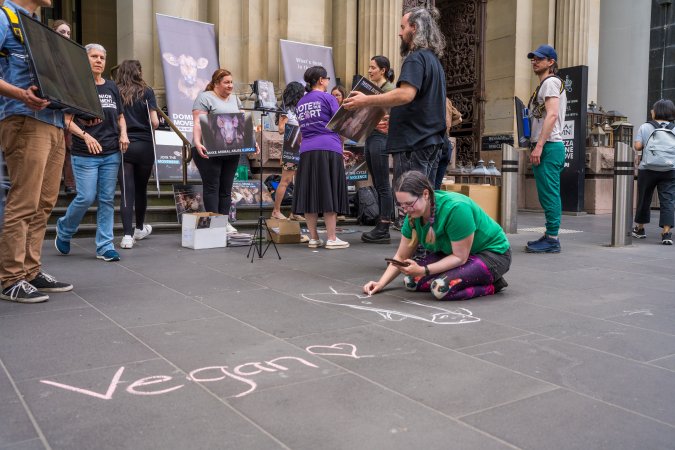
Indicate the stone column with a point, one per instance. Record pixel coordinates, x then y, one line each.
572 31
379 22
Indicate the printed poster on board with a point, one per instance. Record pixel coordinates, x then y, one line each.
357 124
246 194
189 58
297 57
227 134
169 164
355 162
290 153
189 198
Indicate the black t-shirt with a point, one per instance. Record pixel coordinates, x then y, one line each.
136 116
107 133
421 122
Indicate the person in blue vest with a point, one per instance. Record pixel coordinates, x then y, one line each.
32 138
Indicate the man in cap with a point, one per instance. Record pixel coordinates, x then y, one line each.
547 115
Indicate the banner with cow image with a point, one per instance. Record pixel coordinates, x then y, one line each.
189 58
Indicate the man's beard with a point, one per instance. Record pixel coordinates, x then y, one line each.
406 45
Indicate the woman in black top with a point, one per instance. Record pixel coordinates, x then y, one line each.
140 113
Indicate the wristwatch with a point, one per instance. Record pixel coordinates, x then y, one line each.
426 271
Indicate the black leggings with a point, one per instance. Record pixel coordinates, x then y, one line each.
217 177
137 163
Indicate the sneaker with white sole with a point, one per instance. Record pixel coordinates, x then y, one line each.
315 243
667 238
335 244
23 292
44 282
230 229
142 233
127 242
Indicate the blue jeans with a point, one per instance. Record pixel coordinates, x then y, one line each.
95 176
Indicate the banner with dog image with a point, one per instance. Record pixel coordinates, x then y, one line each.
189 57
227 134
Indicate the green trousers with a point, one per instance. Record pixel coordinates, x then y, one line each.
547 178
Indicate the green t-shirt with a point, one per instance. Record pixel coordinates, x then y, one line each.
457 216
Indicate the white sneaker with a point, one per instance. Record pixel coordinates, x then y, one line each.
127 242
336 244
142 234
230 229
315 243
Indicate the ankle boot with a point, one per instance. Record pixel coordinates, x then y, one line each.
378 235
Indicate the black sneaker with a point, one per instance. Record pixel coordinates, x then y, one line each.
46 283
538 240
667 238
23 292
500 285
638 233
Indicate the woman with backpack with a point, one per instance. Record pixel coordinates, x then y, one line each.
656 140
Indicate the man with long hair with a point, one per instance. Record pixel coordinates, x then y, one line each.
547 110
417 118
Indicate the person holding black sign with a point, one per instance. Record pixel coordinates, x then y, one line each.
290 98
217 172
96 156
469 251
547 115
140 113
32 139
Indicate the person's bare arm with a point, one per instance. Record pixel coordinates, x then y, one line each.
552 104
401 95
27 96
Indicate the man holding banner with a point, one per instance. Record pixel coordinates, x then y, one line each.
417 120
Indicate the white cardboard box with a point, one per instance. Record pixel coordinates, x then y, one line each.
204 230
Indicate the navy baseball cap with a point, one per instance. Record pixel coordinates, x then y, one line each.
543 51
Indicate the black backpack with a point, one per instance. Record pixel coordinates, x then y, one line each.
367 207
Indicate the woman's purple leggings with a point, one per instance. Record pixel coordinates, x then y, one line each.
473 279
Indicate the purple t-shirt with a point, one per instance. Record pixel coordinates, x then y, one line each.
314 110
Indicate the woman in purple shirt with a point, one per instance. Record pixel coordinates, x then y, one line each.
321 185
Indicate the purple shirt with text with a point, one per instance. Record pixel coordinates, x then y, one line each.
314 110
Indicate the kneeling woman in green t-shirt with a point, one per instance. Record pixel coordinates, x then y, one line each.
469 252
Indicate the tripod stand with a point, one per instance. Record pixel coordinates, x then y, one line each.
261 230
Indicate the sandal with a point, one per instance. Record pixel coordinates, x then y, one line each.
296 217
279 216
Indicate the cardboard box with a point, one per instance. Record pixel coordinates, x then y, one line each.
284 231
486 196
204 230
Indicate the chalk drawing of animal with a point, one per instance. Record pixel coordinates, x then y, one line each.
189 84
420 311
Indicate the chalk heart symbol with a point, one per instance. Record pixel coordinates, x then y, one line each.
348 350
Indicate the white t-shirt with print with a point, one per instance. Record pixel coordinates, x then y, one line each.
550 88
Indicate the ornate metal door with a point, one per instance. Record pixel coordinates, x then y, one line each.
462 22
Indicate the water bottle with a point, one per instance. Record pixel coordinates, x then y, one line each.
233 212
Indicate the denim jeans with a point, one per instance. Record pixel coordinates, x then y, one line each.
443 161
96 177
424 160
377 160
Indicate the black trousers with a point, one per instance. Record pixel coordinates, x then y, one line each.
137 163
217 177
664 183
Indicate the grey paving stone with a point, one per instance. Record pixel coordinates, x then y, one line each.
631 385
64 341
442 379
145 304
626 341
667 362
187 417
31 444
291 281
361 416
15 425
226 342
279 314
566 420
57 301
